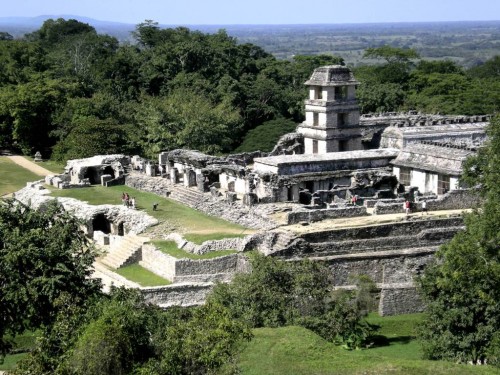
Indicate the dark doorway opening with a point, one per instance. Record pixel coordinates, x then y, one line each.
93 175
109 170
101 223
120 230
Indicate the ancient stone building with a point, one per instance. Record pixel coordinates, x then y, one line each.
335 153
332 112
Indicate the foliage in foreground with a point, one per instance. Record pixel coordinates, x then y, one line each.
462 288
121 334
44 256
278 293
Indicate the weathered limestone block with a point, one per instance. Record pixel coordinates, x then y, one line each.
182 294
322 214
400 299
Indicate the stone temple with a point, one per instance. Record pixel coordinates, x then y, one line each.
298 197
336 153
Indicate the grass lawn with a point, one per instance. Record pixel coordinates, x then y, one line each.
185 218
14 177
10 361
296 350
25 341
53 166
141 276
170 248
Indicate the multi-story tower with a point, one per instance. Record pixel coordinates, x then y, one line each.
332 112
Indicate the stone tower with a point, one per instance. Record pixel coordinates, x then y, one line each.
332 112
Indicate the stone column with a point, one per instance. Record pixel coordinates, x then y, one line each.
173 175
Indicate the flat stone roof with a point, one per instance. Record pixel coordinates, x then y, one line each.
446 129
332 75
331 156
446 160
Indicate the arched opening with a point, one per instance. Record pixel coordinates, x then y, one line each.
92 174
101 223
109 170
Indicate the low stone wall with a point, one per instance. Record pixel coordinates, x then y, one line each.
455 200
425 238
177 294
309 216
158 262
396 266
159 186
217 245
460 199
191 270
382 208
370 203
400 299
403 228
207 246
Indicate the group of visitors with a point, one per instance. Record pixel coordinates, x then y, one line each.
128 201
407 207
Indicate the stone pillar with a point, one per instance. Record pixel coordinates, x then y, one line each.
250 199
192 178
295 193
150 170
173 175
185 177
200 182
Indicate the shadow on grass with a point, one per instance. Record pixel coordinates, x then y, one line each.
380 340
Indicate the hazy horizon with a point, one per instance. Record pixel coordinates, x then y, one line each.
260 12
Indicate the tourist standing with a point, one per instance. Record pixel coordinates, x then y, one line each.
407 207
424 208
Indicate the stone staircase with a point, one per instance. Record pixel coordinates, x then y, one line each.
283 240
190 196
124 252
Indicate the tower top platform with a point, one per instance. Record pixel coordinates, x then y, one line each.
332 75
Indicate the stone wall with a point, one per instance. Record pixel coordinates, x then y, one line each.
322 214
383 267
455 200
459 199
191 270
158 262
384 208
134 221
370 203
383 230
400 299
177 294
207 246
251 217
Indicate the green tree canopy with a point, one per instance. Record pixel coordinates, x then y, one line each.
43 255
462 288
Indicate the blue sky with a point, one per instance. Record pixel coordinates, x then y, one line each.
226 12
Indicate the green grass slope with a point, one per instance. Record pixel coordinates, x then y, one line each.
298 351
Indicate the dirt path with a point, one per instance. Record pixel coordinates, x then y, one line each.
29 165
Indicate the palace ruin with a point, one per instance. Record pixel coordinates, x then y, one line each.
295 193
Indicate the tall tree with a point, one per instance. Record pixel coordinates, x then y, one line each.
43 255
462 288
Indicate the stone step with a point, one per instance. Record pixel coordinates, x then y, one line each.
372 245
187 196
120 253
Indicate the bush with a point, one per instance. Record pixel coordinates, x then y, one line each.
279 293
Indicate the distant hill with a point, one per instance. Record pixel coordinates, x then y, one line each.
467 42
18 26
